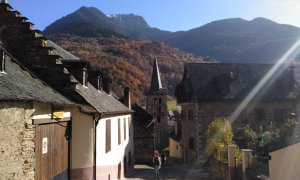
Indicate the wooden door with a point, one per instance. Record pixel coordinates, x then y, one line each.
52 151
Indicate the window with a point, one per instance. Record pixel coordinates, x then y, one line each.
119 170
158 119
2 61
191 143
129 126
124 123
108 136
84 78
155 100
182 115
159 109
119 131
191 116
281 114
159 101
260 114
129 158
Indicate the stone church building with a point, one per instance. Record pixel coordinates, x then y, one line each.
209 90
157 106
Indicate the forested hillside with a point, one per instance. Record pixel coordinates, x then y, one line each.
130 61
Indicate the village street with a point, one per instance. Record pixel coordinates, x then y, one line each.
168 172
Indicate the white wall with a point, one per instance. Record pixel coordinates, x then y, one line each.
285 163
117 152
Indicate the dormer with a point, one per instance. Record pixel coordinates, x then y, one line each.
96 80
79 69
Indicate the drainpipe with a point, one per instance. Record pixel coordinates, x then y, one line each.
96 122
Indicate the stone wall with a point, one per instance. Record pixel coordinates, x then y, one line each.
205 112
17 140
143 148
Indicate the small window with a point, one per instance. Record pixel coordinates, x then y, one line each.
191 115
159 101
182 115
191 143
129 126
108 136
281 114
155 100
119 131
159 109
129 158
260 114
84 78
2 61
158 119
124 123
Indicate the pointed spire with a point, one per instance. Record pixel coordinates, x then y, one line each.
155 80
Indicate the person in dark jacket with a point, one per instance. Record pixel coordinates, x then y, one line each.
163 158
157 163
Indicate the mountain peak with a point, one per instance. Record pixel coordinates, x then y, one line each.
262 20
130 20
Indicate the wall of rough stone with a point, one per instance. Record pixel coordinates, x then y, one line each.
17 140
205 112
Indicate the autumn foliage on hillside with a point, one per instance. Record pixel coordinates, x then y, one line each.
129 61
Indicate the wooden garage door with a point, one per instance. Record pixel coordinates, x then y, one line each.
52 151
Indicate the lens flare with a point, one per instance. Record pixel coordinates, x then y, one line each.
275 70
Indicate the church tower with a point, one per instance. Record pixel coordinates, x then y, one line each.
157 106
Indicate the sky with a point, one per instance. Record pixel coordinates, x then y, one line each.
172 15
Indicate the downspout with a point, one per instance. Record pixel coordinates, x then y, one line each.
96 121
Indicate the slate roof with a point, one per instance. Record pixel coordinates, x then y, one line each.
216 81
141 119
57 50
18 84
101 101
156 86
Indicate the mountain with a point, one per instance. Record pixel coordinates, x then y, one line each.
238 40
228 40
129 25
129 61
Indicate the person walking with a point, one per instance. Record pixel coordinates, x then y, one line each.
157 163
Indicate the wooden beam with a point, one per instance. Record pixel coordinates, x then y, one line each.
49 120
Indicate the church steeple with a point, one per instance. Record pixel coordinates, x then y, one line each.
155 79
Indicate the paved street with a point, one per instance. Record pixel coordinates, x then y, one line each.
168 172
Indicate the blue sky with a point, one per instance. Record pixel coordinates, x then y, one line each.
170 15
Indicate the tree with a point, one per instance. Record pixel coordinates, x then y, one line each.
219 135
246 138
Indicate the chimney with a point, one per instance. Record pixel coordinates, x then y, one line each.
107 81
4 1
95 79
127 97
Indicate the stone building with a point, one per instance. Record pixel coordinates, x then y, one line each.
157 106
209 91
57 122
28 116
143 134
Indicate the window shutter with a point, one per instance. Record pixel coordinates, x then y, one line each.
108 136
